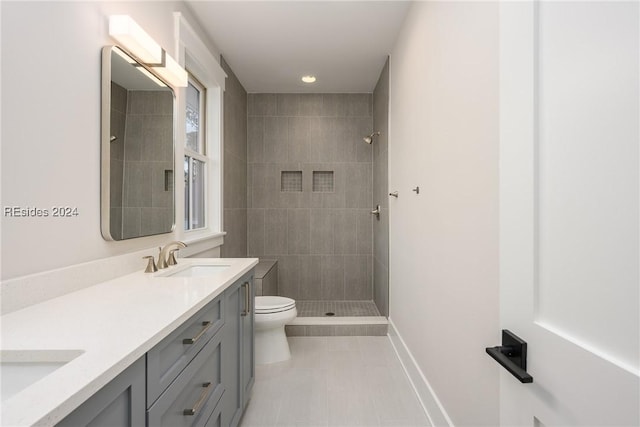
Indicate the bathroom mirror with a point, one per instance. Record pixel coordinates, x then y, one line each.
138 123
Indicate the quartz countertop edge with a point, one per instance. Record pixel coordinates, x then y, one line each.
113 324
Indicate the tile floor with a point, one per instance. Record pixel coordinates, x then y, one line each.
334 381
308 308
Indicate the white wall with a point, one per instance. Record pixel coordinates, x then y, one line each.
444 241
51 79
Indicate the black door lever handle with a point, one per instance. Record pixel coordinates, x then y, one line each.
512 355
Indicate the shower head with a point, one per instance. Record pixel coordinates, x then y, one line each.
369 139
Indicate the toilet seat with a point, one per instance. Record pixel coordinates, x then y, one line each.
273 304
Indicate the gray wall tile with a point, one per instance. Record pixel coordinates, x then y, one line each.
275 232
255 140
311 231
357 277
345 231
381 287
288 104
298 230
262 104
364 230
359 105
310 104
276 139
334 105
310 278
380 192
235 215
359 186
332 277
295 330
289 276
322 231
235 242
299 144
255 232
270 282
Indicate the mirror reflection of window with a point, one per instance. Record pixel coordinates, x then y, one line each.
195 160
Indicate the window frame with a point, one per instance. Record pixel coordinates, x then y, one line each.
201 155
195 56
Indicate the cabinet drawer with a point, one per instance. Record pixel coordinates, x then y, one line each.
192 398
167 359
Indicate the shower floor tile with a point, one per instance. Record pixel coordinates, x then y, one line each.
338 308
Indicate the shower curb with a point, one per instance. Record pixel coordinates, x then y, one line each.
337 326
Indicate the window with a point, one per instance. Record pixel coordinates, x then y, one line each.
196 162
199 152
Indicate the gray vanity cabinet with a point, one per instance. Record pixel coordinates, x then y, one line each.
119 403
238 367
200 375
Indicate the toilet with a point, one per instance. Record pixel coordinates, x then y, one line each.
272 313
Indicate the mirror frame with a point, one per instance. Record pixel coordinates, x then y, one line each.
105 145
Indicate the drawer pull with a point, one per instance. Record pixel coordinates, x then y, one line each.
247 297
195 339
207 387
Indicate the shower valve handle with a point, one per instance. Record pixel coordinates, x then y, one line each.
376 212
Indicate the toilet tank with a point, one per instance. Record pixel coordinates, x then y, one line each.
266 277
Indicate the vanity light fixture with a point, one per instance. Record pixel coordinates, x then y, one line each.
142 46
309 79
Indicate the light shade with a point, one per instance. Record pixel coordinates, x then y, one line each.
142 46
173 72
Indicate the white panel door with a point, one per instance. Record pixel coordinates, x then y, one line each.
569 218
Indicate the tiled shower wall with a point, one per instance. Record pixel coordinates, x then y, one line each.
381 192
142 168
323 239
148 165
116 174
235 167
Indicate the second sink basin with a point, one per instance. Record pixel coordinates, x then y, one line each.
21 368
199 271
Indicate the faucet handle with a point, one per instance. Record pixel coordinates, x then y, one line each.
162 262
151 265
172 257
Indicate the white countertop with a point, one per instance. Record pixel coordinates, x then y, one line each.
113 323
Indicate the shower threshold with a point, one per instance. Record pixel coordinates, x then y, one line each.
348 318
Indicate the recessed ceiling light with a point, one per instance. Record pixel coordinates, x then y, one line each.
308 79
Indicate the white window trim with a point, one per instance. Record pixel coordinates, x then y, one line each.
193 54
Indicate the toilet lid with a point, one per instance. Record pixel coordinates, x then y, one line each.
272 304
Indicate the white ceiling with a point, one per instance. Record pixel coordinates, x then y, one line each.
270 45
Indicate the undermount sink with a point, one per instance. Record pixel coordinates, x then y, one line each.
198 271
21 368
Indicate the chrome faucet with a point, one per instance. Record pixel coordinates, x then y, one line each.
169 249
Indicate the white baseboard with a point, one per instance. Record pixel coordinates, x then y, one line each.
436 413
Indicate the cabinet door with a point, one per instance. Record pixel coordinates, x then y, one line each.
119 403
238 359
232 399
248 339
